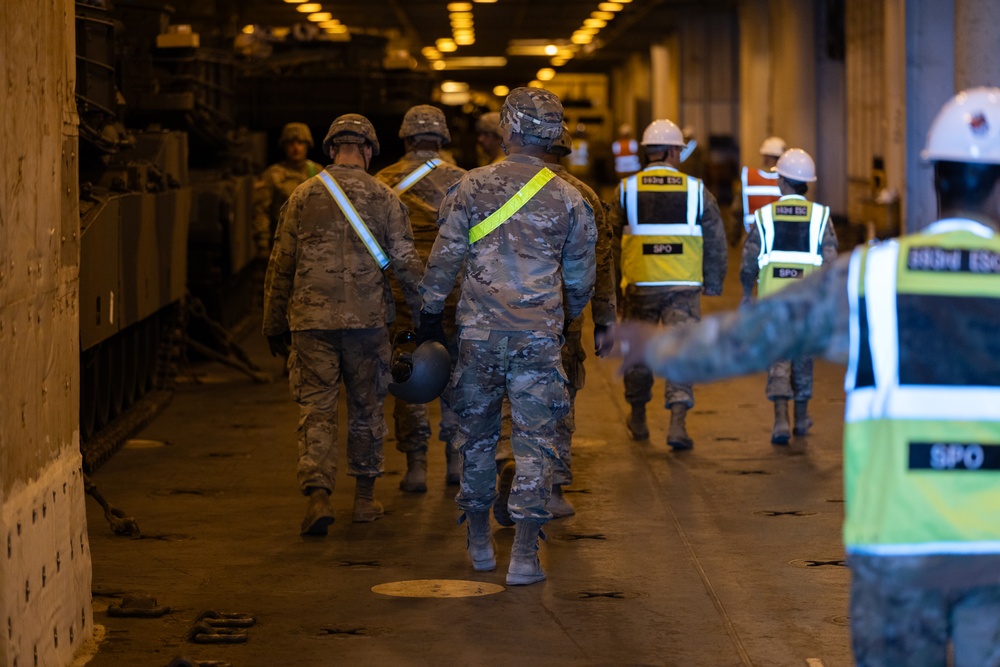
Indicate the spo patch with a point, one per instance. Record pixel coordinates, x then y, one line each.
787 272
953 456
662 248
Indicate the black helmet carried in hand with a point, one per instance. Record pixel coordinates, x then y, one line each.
419 376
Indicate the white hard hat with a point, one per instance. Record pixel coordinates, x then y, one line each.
967 128
773 146
796 165
625 128
663 133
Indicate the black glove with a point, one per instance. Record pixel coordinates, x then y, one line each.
279 343
430 328
604 339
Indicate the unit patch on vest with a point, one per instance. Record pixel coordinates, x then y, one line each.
791 210
952 260
953 456
787 272
662 180
662 248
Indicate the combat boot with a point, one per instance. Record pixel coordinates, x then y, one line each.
454 472
479 542
319 513
803 422
781 433
415 480
558 505
366 508
501 512
524 566
637 422
677 436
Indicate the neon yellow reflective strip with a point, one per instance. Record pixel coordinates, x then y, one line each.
513 205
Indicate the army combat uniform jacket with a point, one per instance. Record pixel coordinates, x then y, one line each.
275 186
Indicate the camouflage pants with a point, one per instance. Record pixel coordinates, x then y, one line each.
573 356
318 362
790 380
670 308
529 369
906 609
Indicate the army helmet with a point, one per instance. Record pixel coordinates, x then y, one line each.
295 132
562 146
425 119
421 375
351 128
489 123
534 113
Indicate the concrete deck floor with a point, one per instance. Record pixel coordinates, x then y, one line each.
726 555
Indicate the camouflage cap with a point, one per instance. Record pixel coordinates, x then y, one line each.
533 112
425 119
351 128
562 146
295 132
489 123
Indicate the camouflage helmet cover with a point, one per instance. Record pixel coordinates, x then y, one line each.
489 123
562 146
351 128
425 119
295 132
534 113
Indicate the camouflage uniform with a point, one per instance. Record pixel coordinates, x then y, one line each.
271 192
324 286
785 379
672 305
422 200
520 282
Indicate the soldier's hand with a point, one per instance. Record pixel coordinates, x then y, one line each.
633 340
712 291
430 328
279 344
747 300
604 339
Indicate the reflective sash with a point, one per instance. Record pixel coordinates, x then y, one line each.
777 267
347 208
414 176
921 461
512 206
757 189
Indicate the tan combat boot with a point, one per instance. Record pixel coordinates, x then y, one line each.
524 567
637 422
677 436
558 505
319 513
366 508
479 542
415 480
781 433
803 422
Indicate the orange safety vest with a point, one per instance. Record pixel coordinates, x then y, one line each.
760 188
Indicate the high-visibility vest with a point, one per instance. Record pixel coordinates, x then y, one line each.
791 241
626 156
416 175
922 420
760 188
511 206
353 217
662 252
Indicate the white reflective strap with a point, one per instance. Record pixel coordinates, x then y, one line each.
631 200
347 208
414 176
696 201
748 222
959 225
662 230
927 548
854 321
744 177
762 191
933 402
765 229
670 282
817 224
883 330
792 257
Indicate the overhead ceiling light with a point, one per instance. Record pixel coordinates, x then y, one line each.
551 50
471 62
332 23
320 16
604 16
293 2
454 87
460 15
430 53
280 32
248 30
566 54
594 23
501 91
438 64
309 8
336 30
446 45
465 40
557 62
545 74
459 6
611 6
535 84
486 2
581 39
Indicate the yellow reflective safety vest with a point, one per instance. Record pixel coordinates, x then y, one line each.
662 240
922 421
791 241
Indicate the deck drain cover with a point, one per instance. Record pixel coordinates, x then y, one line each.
437 588
818 562
138 443
744 472
600 594
587 491
573 537
166 537
727 438
360 563
783 513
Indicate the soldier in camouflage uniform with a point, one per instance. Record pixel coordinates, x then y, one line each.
421 178
526 241
673 250
915 320
800 238
489 137
325 285
278 182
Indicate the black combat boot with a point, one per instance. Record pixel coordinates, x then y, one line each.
637 422
366 508
415 480
677 436
781 433
524 566
479 542
319 513
803 422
